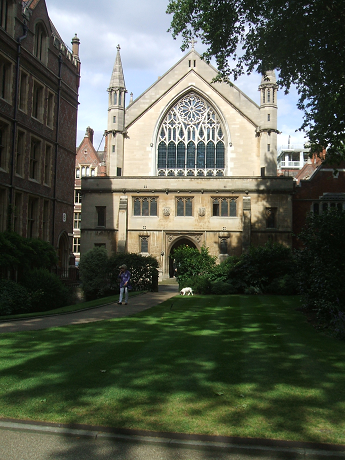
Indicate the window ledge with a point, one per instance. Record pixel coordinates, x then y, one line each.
37 119
6 100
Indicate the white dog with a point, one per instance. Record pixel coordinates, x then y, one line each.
186 290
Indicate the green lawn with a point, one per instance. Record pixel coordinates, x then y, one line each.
70 308
246 366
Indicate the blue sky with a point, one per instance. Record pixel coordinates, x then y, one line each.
147 52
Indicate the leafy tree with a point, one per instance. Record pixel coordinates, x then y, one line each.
190 263
321 266
304 40
21 254
43 255
93 268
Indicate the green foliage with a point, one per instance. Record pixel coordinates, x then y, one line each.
14 298
269 268
20 254
190 263
246 36
93 269
223 288
46 290
99 273
143 270
199 284
321 265
43 255
284 285
260 266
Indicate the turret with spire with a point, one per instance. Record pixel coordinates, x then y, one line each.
116 118
268 124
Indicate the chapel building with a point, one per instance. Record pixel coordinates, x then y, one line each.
189 162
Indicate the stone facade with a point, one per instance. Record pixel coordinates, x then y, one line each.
88 163
38 120
188 162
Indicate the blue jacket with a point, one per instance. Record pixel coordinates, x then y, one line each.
124 278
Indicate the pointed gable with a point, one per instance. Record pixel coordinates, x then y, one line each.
199 73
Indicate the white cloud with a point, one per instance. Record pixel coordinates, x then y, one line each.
147 52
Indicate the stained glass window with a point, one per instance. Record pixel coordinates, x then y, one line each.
190 137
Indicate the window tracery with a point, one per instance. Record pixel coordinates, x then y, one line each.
191 140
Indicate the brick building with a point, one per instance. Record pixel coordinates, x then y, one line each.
89 163
318 187
39 81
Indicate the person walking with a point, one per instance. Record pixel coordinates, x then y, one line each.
124 277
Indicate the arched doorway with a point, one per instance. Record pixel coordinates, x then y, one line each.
178 243
63 255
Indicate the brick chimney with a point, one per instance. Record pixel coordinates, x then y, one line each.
89 134
75 45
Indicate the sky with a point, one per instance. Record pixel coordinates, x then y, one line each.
148 51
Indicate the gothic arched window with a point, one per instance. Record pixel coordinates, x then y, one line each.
191 140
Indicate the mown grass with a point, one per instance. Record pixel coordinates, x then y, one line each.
247 366
70 308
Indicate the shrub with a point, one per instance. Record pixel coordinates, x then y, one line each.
321 266
252 290
43 254
18 254
257 268
14 298
190 262
143 271
222 288
93 269
46 290
199 284
285 285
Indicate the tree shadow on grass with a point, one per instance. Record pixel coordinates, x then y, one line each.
225 365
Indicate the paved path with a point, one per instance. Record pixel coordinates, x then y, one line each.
30 441
136 304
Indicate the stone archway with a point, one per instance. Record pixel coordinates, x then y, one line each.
180 242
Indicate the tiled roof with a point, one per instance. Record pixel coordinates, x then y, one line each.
30 4
308 170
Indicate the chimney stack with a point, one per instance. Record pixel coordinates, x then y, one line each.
75 46
89 133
